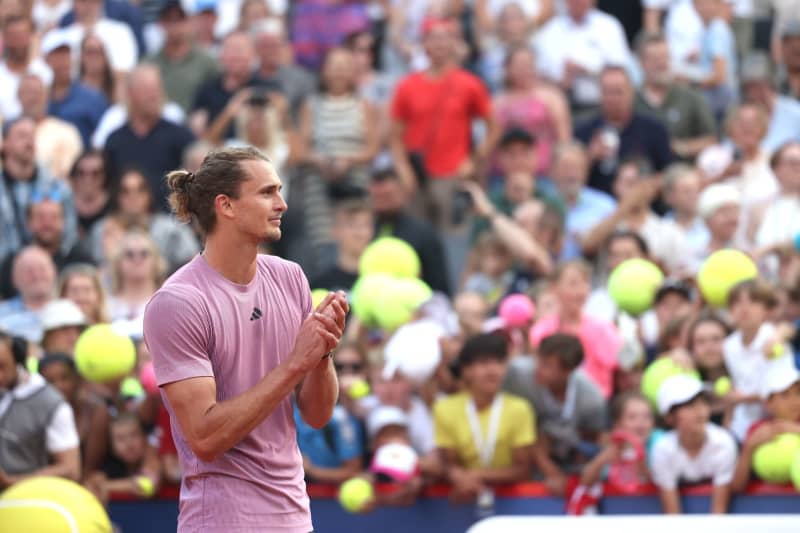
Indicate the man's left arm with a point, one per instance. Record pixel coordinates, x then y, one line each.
319 390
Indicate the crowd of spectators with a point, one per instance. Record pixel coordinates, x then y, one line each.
519 146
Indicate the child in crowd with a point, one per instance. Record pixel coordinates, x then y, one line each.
570 409
491 273
781 394
484 436
673 299
91 415
601 340
695 450
624 459
748 349
132 468
704 341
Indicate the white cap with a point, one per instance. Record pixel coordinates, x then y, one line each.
397 460
677 390
385 415
61 314
414 351
53 40
716 196
781 374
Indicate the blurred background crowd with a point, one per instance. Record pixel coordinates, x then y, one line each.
514 153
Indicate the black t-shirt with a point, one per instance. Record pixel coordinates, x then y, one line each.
334 279
155 154
644 137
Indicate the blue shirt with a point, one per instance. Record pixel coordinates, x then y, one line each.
339 441
16 319
591 208
83 107
784 125
718 41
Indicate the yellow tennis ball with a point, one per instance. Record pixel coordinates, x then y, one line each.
657 373
355 493
103 355
358 389
389 255
773 461
777 351
51 505
145 484
721 271
795 473
722 386
317 295
633 285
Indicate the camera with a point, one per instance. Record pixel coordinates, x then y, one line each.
259 98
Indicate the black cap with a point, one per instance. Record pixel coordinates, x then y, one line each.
169 5
675 287
516 135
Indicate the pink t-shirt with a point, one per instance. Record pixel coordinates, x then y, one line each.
601 344
201 324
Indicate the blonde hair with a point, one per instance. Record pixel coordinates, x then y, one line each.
89 271
159 264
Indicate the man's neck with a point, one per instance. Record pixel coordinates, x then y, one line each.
620 122
177 49
685 219
348 262
441 69
141 126
52 247
35 302
692 442
749 335
269 71
60 89
751 152
234 258
637 217
234 83
655 93
482 399
559 392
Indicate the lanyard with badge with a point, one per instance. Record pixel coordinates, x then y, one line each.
485 446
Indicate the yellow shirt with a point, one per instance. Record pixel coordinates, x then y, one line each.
452 428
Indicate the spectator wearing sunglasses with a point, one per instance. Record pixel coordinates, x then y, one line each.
335 453
46 223
25 182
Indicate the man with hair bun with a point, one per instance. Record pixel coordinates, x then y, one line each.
233 335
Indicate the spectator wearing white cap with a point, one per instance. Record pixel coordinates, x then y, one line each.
780 390
719 207
62 323
695 450
484 436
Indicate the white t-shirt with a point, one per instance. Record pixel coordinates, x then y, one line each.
666 242
118 41
531 8
670 464
597 41
747 366
781 222
10 107
61 434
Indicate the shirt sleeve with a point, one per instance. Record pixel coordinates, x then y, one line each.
177 335
399 106
443 435
662 466
725 460
524 425
61 434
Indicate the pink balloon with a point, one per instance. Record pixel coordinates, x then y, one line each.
147 377
516 310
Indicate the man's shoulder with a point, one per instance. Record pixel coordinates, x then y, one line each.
279 265
598 199
449 405
602 20
588 394
667 444
584 130
719 437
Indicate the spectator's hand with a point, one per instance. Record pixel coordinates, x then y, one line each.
641 195
764 434
571 71
556 484
599 149
466 486
682 358
406 494
480 201
466 170
96 484
238 100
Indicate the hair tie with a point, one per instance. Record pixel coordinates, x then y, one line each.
189 176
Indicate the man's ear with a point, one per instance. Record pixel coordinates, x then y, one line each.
223 206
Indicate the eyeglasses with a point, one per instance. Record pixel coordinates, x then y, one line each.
140 253
351 368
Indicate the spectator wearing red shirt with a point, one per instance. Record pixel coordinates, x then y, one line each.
432 113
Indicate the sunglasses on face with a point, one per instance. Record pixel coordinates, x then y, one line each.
352 368
141 253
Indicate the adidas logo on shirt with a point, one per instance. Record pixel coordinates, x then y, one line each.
256 314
